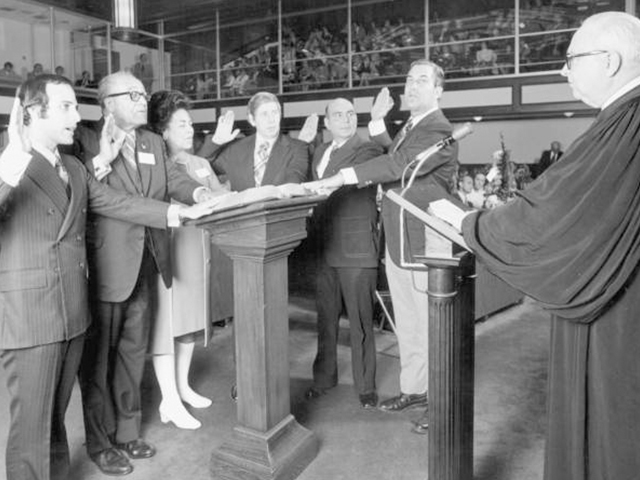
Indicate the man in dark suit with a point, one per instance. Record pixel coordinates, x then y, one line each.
43 270
549 157
345 234
124 260
264 158
407 283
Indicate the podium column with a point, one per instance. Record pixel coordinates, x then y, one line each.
267 443
451 365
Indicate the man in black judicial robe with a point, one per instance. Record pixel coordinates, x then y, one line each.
572 241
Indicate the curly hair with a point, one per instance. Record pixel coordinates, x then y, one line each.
162 105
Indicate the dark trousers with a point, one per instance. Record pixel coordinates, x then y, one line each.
113 363
40 380
356 286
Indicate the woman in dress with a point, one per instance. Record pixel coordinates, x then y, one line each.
183 310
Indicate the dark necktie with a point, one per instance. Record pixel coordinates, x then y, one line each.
403 133
62 172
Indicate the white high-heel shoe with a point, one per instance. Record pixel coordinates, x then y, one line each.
180 417
196 400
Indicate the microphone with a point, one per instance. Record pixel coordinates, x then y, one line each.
456 135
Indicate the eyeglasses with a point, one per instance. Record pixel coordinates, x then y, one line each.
569 57
133 95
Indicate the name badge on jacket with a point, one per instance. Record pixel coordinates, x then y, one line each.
146 158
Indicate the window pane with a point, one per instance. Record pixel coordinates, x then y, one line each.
551 15
314 50
543 52
249 58
193 64
470 39
386 37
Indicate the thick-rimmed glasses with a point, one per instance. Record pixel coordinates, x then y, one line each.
134 95
569 57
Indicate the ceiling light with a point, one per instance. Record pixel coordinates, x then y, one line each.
124 13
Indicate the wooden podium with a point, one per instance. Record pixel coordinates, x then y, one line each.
267 443
451 351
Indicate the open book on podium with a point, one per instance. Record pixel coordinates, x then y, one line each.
233 200
443 241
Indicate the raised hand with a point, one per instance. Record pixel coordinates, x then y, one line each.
111 140
309 129
17 132
381 105
224 129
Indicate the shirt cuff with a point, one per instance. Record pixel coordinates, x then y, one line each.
349 175
100 170
173 216
198 192
13 163
377 127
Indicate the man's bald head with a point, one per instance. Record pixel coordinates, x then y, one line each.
604 56
341 119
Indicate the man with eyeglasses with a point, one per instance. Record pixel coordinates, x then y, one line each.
124 261
344 233
571 240
44 197
426 126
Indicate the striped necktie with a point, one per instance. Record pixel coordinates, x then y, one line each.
403 133
128 149
62 172
260 165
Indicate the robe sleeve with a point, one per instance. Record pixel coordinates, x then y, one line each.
572 239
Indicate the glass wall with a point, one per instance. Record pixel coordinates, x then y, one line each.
291 46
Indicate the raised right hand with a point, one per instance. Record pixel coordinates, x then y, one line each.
224 129
17 131
111 140
381 105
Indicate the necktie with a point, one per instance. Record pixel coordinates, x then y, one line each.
128 149
63 175
260 164
403 133
326 158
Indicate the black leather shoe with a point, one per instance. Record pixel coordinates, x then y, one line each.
421 426
315 392
402 401
112 461
369 400
137 449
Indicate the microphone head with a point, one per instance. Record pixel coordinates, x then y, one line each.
461 132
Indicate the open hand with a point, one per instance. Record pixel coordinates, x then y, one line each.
17 131
309 129
224 129
381 105
111 140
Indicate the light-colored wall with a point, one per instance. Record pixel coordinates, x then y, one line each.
525 139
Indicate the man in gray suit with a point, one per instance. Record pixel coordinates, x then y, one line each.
44 198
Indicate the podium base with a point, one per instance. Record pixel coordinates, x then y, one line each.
282 453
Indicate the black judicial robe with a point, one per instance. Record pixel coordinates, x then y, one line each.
572 241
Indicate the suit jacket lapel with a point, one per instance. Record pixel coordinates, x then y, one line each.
340 155
317 158
246 164
142 145
77 182
44 175
119 167
279 153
